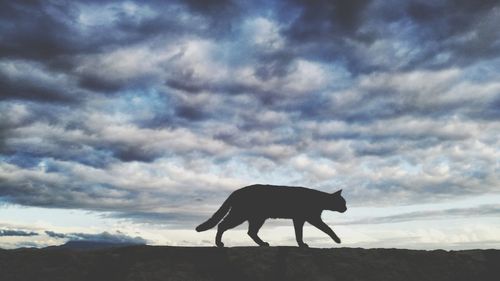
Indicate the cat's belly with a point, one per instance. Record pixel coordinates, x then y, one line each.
281 213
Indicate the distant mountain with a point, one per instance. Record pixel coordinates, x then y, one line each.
247 263
92 245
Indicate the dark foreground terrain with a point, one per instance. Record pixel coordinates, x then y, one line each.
252 263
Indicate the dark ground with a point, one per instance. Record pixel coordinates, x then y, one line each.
247 263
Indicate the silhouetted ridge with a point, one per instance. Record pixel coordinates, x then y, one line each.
248 263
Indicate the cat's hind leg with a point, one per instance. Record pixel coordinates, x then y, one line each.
253 228
231 220
298 224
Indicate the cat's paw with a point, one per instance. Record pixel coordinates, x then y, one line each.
336 239
265 244
303 245
219 244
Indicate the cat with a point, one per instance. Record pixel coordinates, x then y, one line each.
258 202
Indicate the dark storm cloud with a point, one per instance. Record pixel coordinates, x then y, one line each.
210 6
10 232
56 35
467 29
77 196
44 32
326 30
133 154
49 31
98 83
320 19
441 33
105 237
320 30
221 13
33 30
192 113
452 17
24 86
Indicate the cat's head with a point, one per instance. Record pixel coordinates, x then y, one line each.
337 202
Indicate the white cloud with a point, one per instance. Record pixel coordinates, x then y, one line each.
264 33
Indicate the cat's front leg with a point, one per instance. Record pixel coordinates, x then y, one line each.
317 222
298 225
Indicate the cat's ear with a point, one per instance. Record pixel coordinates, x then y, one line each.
337 193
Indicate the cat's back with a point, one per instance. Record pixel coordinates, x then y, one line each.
272 193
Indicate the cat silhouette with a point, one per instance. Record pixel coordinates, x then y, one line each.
256 203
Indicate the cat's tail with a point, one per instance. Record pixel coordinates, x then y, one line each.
217 216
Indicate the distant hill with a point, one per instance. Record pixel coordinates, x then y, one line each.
90 245
247 263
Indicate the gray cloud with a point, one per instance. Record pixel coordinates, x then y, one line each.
11 232
56 234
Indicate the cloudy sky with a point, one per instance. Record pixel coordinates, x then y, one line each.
134 120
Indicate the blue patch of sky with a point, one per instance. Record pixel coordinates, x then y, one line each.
405 41
98 158
22 160
483 71
140 106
